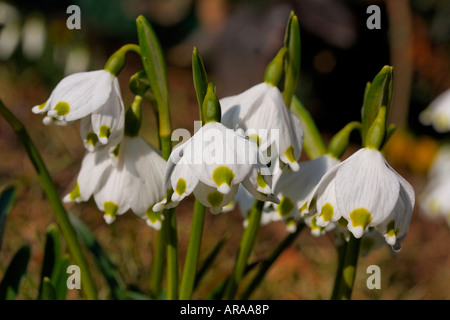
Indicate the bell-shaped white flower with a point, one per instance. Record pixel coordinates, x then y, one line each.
134 181
211 165
437 114
262 114
94 98
294 189
366 192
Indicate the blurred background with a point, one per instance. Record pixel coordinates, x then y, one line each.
236 40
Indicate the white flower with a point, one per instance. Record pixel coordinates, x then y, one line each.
294 189
212 164
262 114
135 182
95 98
366 192
437 113
435 197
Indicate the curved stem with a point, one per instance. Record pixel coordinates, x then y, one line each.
67 230
246 246
193 251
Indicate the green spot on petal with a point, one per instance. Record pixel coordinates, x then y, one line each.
91 138
152 215
62 108
314 225
42 105
116 151
110 208
181 186
215 199
75 193
360 218
260 180
223 175
105 132
255 138
390 229
303 207
285 206
327 212
289 153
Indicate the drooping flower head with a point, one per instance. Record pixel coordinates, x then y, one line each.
262 114
366 192
92 97
211 165
132 182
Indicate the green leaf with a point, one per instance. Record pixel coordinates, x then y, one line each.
48 291
7 199
377 94
199 76
52 255
153 61
313 143
209 260
59 278
106 266
9 287
292 65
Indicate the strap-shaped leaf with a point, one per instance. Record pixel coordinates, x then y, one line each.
153 61
7 199
9 287
292 65
52 256
200 78
48 291
106 266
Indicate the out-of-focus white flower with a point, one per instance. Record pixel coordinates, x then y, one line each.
366 192
212 164
262 114
435 197
95 98
437 114
134 182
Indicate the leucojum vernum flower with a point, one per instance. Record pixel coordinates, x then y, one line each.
247 157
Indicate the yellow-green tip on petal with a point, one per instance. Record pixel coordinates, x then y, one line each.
285 207
215 200
360 219
153 218
325 215
104 132
223 176
91 138
110 211
75 193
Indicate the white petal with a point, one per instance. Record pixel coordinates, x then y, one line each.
365 181
84 92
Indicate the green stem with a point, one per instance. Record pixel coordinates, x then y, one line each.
60 212
347 276
157 267
341 249
246 246
269 261
172 255
193 251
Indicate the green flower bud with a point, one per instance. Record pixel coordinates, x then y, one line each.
340 140
116 61
377 131
275 69
211 111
